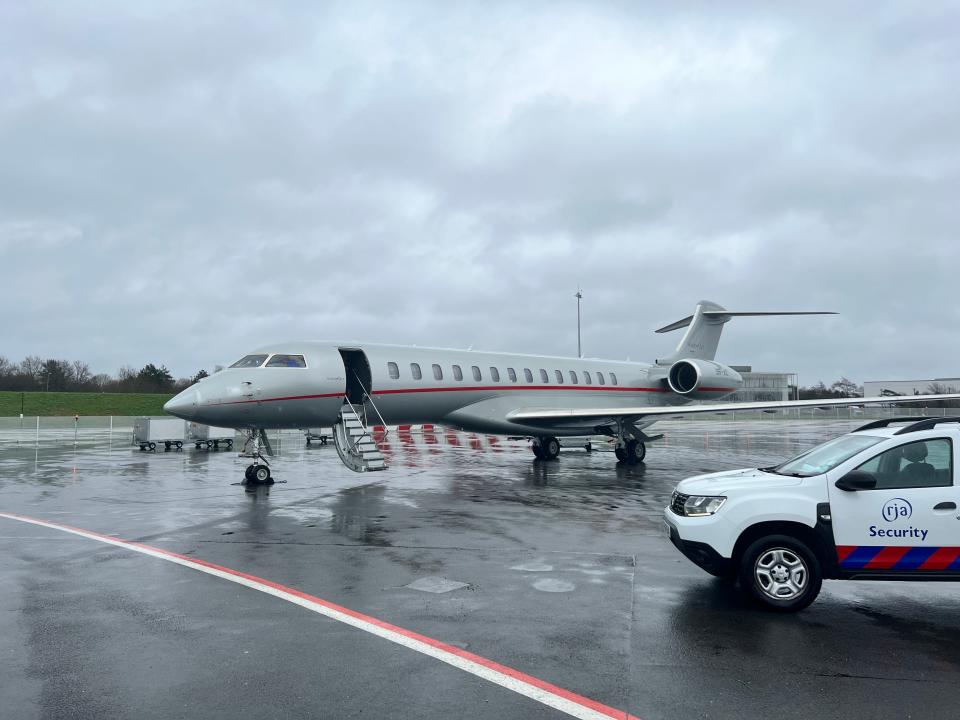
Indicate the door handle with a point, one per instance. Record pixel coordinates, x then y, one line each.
945 506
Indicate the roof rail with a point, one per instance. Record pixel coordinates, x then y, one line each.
926 424
889 421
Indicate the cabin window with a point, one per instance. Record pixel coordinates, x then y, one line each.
512 374
528 375
613 378
250 361
393 371
294 361
476 373
495 374
457 373
415 371
544 378
437 372
559 376
600 378
573 377
586 378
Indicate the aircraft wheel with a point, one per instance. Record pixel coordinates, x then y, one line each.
621 454
537 450
636 451
550 447
262 475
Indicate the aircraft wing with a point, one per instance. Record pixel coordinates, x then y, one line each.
559 416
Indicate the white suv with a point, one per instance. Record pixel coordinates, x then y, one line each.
878 503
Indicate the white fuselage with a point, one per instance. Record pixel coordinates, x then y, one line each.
465 389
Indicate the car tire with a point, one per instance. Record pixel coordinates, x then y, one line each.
781 573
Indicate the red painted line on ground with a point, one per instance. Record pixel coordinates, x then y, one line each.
505 670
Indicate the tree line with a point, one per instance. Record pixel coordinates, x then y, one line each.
35 374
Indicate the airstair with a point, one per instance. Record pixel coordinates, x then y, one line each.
354 441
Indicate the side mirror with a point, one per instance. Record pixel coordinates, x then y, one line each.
856 480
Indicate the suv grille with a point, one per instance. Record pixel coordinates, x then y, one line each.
677 502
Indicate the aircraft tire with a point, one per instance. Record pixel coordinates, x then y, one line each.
262 475
537 450
550 447
248 473
635 451
621 454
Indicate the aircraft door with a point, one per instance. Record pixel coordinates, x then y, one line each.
359 377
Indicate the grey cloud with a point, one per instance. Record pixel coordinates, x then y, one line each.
183 182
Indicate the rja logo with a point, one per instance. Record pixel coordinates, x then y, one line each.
895 509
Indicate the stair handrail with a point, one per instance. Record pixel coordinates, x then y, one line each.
366 432
369 397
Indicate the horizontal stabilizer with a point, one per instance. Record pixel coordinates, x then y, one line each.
726 314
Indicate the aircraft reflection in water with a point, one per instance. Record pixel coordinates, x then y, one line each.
352 386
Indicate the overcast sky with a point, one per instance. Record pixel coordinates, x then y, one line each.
180 182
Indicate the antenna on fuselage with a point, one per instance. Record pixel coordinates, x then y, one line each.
579 297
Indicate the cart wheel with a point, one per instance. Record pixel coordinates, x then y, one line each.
142 447
209 444
179 445
198 446
152 446
229 444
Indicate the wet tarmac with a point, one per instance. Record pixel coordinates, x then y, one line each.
559 570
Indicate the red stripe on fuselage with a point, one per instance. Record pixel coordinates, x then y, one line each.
476 388
278 399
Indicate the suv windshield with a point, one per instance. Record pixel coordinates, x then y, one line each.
826 457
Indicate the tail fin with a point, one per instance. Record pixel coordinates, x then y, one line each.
705 325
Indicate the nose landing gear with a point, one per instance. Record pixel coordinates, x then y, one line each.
259 472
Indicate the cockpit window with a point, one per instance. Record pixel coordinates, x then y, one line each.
279 360
250 361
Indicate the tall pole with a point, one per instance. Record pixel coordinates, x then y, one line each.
579 296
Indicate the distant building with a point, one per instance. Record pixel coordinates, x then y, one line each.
881 388
763 386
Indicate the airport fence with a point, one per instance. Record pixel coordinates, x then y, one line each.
118 430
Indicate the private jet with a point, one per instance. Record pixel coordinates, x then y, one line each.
352 386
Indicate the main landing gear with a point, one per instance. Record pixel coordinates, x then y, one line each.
259 472
546 448
631 452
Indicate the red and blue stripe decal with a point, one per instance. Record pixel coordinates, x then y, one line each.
894 557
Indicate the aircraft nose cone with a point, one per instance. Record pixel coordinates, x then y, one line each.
183 405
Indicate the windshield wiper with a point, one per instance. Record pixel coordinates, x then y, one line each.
773 471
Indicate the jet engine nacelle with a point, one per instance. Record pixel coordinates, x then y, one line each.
702 379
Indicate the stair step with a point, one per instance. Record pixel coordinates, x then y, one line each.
376 465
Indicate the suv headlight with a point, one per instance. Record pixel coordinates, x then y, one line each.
696 505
